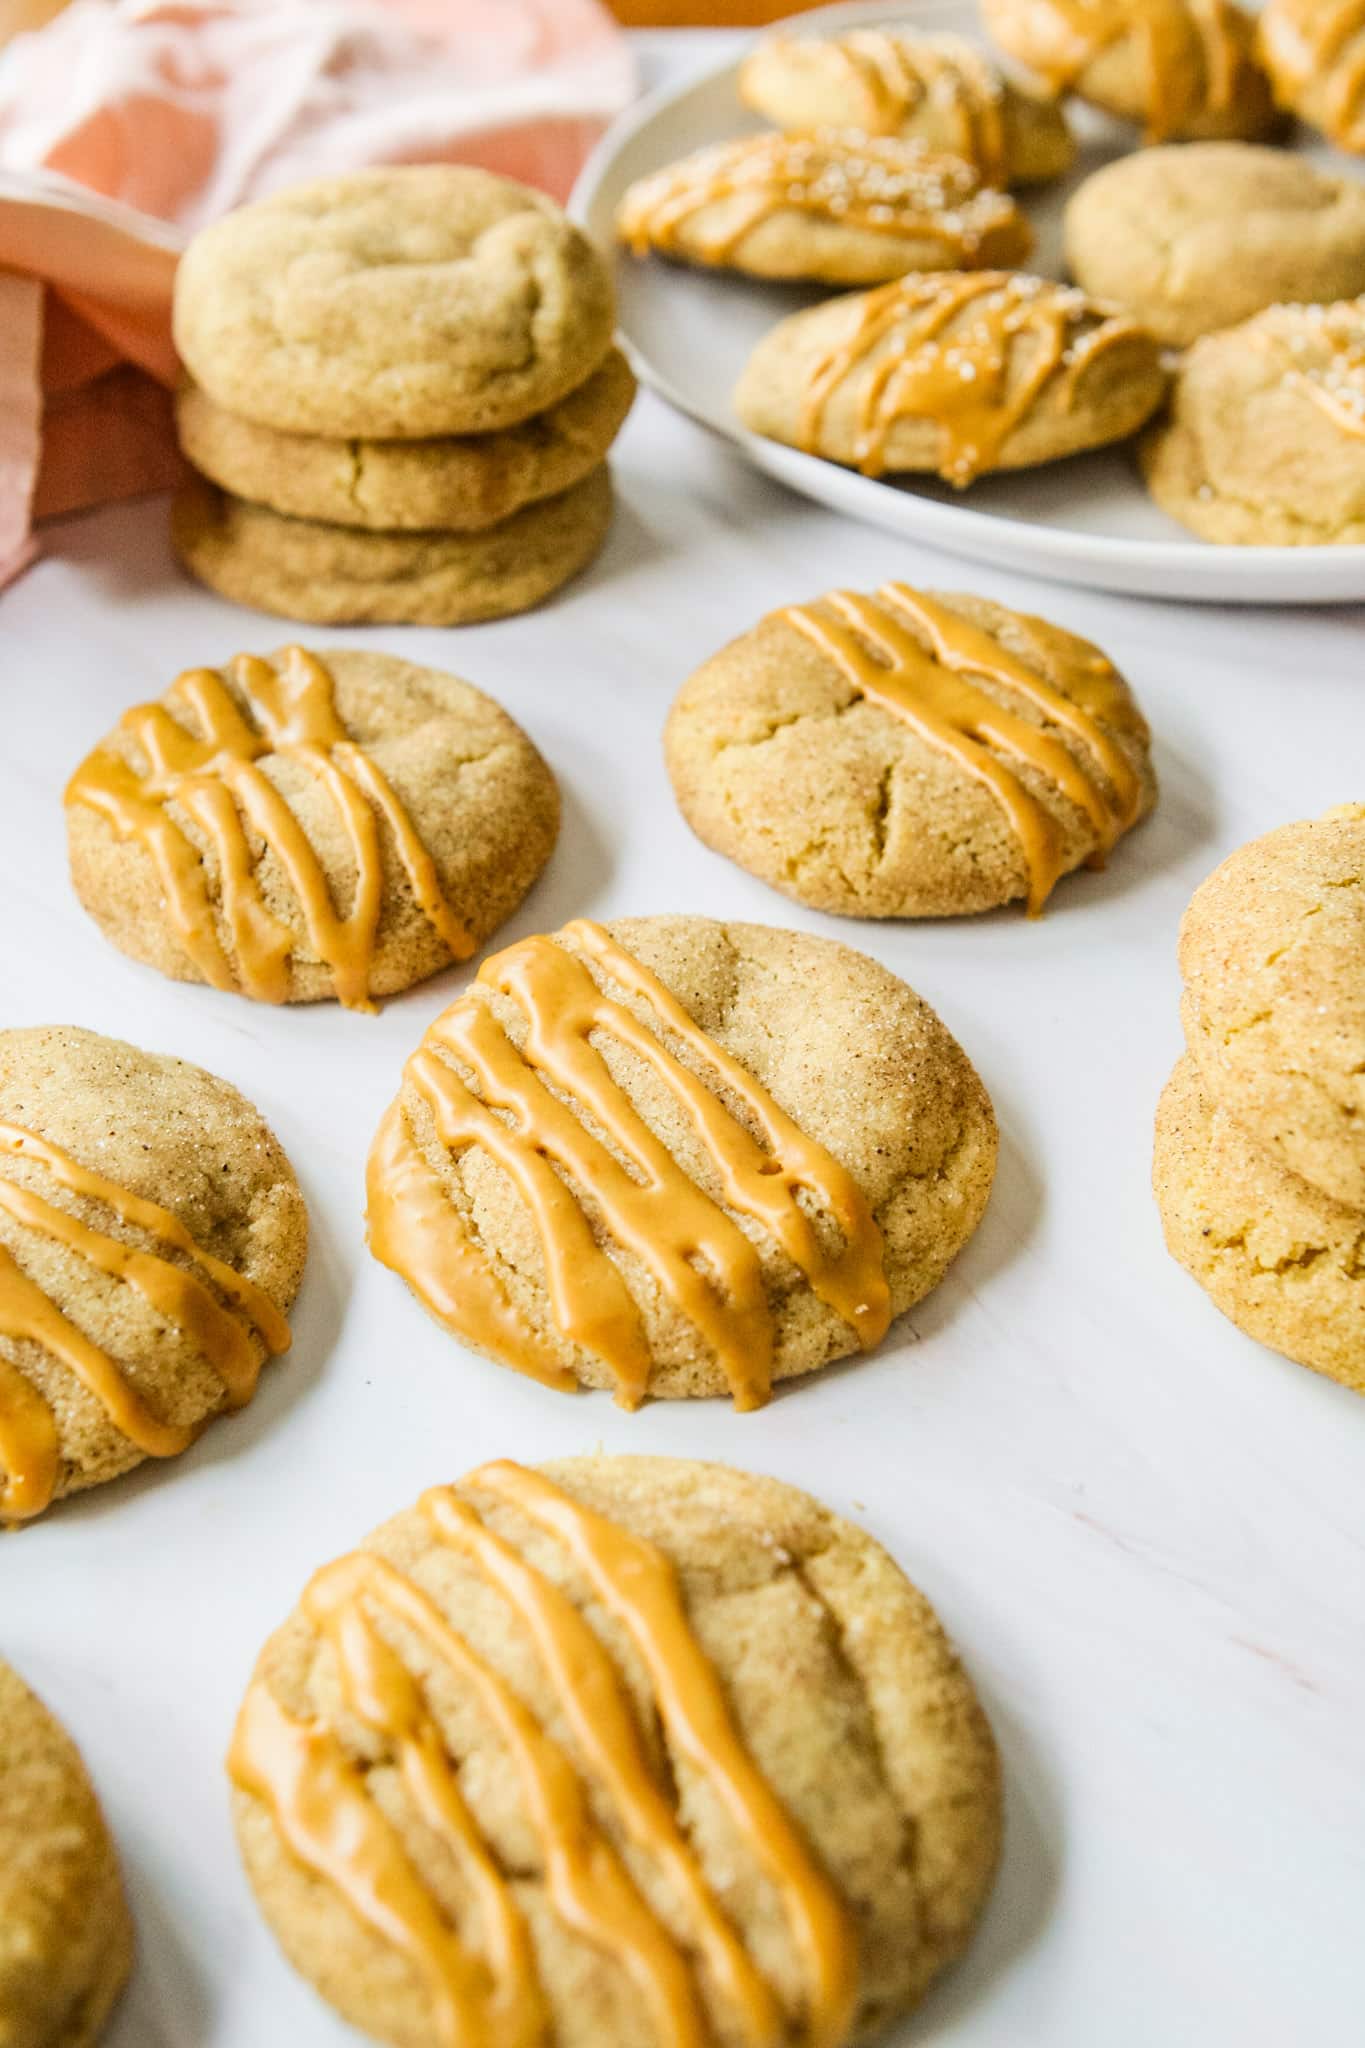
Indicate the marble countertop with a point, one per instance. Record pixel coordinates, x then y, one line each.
1144 1531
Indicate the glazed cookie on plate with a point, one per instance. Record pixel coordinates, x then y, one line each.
1272 949
959 373
1264 443
937 89
459 483
1200 235
1282 1261
1314 51
836 207
152 1239
393 303
1186 69
298 826
805 1150
325 575
616 1752
66 1935
909 754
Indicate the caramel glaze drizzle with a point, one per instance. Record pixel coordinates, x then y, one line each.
896 73
205 762
1177 38
701 1260
878 646
870 185
320 1803
958 377
29 1452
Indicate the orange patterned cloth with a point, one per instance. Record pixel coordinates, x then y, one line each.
125 124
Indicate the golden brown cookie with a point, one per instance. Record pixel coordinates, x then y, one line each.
393 303
937 89
459 482
152 1238
1314 51
616 1752
962 373
836 207
66 1936
909 754
337 575
1272 949
298 826
1264 443
1282 1261
1186 69
1200 235
805 1150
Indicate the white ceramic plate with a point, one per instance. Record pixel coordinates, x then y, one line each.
1087 520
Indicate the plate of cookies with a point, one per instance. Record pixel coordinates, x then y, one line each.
1041 287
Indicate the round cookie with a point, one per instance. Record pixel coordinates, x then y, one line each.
837 207
338 575
1200 235
1264 444
937 89
300 826
459 482
960 373
393 303
1272 949
701 1751
152 1239
1282 1261
813 1147
1186 69
66 1935
846 774
1314 51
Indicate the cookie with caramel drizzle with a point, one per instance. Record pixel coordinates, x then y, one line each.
649 1158
152 1237
1314 51
295 826
837 207
960 373
630 1751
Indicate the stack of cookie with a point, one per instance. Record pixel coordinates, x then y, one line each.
1260 1139
401 389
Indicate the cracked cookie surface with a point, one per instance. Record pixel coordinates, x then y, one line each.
1282 1261
780 762
797 1869
1272 949
1198 236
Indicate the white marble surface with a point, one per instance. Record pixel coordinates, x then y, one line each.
1144 1531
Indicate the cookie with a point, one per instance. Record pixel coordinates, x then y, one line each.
1186 69
937 89
807 1149
1200 235
615 1752
66 1936
1282 1261
961 373
836 207
337 575
152 1238
1264 443
460 482
1272 949
1314 51
298 826
909 754
393 304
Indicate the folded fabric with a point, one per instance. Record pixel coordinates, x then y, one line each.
126 124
